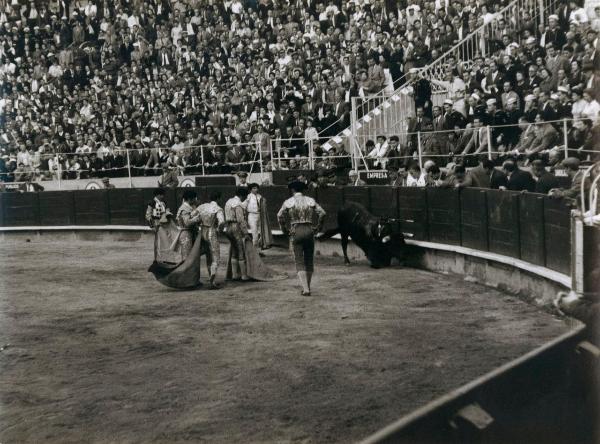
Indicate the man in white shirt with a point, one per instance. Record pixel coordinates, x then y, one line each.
23 156
257 212
379 153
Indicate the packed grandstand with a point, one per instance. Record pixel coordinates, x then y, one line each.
135 88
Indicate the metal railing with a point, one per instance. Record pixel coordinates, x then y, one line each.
206 159
521 141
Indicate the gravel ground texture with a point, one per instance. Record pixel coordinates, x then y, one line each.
93 349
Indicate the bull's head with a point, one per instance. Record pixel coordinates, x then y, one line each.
384 229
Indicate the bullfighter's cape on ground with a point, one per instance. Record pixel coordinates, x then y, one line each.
255 267
266 238
170 268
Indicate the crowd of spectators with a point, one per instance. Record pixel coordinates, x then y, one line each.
89 87
89 79
538 91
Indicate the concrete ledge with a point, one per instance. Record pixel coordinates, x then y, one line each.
537 284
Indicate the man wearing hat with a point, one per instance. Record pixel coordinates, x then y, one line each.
156 210
106 183
296 218
508 94
169 177
243 179
554 34
571 164
564 105
258 222
354 180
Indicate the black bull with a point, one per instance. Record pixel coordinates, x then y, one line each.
379 237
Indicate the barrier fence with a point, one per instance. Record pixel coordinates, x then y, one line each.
531 227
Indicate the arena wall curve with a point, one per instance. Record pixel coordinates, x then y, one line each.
512 241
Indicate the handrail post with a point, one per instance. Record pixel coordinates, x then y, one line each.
260 160
566 137
419 149
353 141
489 142
202 158
129 169
279 154
59 171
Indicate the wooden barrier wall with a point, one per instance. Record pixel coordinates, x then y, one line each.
526 226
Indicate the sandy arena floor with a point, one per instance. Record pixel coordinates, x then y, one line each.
95 350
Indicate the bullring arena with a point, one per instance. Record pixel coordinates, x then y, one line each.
98 350
454 144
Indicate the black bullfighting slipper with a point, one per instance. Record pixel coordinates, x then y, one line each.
305 293
212 285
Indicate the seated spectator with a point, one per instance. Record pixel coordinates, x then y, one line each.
434 177
546 138
378 155
481 175
354 180
571 165
517 179
457 179
544 180
169 177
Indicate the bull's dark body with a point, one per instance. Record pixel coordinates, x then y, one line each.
367 231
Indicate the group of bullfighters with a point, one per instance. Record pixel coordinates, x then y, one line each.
244 222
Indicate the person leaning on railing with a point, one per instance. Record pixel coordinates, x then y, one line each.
571 164
545 140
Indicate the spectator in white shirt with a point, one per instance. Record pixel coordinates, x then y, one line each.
379 153
415 178
23 156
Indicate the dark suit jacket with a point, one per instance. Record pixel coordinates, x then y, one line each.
498 179
545 183
521 180
478 177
